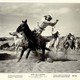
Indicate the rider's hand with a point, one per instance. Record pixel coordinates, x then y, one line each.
57 20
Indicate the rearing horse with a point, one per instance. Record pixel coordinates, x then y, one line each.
34 42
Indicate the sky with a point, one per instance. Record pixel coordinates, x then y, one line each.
68 14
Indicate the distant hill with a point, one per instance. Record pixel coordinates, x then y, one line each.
6 38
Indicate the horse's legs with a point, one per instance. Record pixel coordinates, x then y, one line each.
16 49
43 55
28 53
22 52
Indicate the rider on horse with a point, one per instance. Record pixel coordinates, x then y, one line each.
44 24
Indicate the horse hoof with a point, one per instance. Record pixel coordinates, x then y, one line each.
26 57
18 60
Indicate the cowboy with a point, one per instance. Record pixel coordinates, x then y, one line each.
44 24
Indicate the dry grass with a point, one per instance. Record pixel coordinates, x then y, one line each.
62 62
59 61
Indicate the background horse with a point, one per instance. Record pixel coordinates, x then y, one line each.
69 41
77 44
54 42
34 42
19 40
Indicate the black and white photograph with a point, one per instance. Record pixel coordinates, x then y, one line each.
39 37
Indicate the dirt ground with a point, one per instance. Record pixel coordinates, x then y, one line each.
71 64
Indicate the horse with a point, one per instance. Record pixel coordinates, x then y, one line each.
54 42
69 41
73 43
35 42
19 40
5 45
77 44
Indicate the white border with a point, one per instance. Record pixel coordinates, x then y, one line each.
43 1
26 76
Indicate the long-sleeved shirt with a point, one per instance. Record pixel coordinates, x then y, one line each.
43 25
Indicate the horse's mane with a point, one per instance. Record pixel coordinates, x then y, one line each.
31 35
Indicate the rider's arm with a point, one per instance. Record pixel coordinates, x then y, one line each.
51 23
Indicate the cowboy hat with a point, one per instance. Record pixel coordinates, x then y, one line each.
47 17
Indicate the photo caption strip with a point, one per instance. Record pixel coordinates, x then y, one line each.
40 76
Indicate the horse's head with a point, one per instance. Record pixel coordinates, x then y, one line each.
22 26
